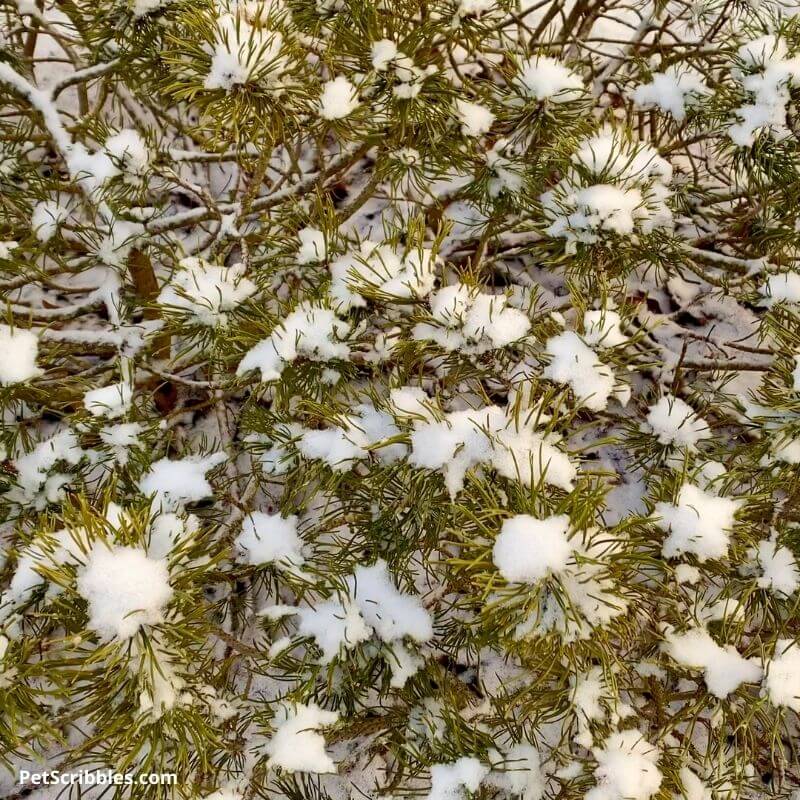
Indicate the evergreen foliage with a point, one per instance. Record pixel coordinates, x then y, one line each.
401 398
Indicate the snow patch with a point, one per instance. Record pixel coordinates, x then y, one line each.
125 589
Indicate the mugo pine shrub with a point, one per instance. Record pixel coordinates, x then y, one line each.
401 398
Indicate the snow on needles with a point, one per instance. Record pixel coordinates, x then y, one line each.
271 539
402 399
373 606
724 669
700 523
124 590
174 483
766 75
627 768
476 120
603 328
206 291
614 188
297 745
673 421
109 401
244 53
392 614
673 90
19 348
310 331
466 319
334 626
545 78
454 781
378 270
527 549
778 567
466 439
339 99
782 681
574 363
